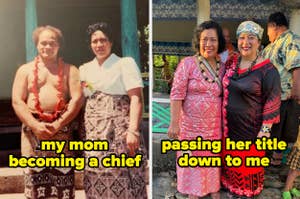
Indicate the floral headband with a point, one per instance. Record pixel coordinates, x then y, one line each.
250 27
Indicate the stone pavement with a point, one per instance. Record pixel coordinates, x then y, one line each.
164 177
164 185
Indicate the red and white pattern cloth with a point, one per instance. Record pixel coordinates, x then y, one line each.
200 116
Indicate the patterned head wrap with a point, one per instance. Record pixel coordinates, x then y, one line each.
250 27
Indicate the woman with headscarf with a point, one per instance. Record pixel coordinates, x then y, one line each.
250 106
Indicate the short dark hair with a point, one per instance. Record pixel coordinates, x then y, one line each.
204 26
279 19
103 27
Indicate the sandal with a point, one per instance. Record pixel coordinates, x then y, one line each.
286 195
295 192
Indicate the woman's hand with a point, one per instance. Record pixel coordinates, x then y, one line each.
265 131
133 142
263 134
173 131
135 114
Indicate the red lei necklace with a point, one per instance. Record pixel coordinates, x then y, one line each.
49 117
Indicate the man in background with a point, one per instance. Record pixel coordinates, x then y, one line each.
284 53
229 48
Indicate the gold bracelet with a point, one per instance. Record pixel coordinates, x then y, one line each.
136 133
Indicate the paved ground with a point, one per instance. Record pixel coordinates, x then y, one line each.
164 176
164 184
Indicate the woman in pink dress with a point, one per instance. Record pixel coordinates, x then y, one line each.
196 107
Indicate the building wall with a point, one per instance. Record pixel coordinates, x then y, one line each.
174 20
173 31
12 45
71 16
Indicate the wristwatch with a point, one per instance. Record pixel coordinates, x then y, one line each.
265 129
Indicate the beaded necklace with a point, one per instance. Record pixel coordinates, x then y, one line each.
215 73
49 117
237 75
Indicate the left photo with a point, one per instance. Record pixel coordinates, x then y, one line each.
74 99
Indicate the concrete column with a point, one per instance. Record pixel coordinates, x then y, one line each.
203 10
294 21
130 43
30 25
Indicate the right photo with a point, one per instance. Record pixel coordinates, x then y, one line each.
225 99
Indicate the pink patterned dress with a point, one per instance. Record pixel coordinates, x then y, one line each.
200 116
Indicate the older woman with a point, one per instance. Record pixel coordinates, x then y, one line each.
113 89
196 107
46 97
251 105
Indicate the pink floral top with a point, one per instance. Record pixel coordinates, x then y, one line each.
201 111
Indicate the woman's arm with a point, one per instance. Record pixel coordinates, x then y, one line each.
178 94
135 115
271 95
265 130
176 106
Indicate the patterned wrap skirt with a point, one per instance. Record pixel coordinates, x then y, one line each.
47 183
293 159
106 117
243 180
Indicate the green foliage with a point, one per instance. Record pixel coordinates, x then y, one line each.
160 84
